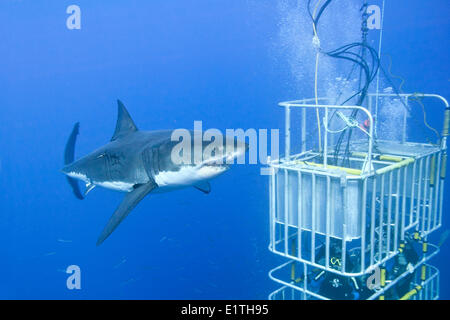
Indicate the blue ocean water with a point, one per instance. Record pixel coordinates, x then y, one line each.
170 62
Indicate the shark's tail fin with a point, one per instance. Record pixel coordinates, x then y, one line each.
69 155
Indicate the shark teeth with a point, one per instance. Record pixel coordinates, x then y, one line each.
77 175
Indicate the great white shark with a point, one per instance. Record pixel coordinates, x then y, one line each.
140 162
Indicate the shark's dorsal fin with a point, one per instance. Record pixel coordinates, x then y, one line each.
125 124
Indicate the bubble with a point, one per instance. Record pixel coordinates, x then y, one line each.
295 43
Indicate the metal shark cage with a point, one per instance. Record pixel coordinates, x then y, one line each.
341 217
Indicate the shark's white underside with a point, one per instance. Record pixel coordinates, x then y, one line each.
113 185
166 180
187 176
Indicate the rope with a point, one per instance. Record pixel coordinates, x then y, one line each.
417 97
379 59
316 42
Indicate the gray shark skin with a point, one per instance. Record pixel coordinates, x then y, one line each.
139 162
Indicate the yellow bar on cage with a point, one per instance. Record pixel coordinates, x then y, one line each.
391 158
383 157
355 172
397 165
359 154
432 170
446 122
443 165
408 295
424 273
425 247
383 277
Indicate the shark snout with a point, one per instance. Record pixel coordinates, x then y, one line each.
70 168
75 170
65 169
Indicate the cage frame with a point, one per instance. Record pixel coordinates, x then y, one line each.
421 222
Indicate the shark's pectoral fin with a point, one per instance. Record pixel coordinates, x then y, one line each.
128 203
69 155
204 187
75 187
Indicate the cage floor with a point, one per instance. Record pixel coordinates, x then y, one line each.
407 149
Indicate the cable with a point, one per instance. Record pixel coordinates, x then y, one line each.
315 78
370 74
314 21
325 5
417 97
362 91
379 58
345 53
317 102
394 76
356 58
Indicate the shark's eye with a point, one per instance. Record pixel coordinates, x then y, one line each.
101 155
